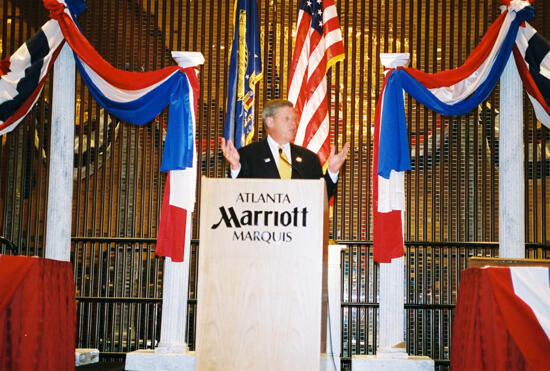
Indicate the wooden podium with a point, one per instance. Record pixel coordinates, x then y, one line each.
262 274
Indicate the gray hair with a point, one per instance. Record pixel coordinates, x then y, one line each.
272 106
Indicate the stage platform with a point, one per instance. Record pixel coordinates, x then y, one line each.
103 366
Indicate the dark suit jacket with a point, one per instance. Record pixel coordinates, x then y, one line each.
258 162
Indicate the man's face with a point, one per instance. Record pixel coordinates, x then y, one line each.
282 125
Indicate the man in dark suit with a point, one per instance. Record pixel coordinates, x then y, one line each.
276 157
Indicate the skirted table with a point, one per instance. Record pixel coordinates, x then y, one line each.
502 320
37 314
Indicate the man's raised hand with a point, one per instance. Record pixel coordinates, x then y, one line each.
336 160
231 154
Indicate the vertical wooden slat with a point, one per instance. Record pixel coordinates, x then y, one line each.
365 114
440 131
206 151
4 18
280 18
428 66
363 131
115 333
94 309
142 310
111 252
221 93
415 125
350 80
25 33
435 162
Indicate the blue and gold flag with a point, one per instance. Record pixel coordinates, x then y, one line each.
245 70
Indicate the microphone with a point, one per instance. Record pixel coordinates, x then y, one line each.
288 162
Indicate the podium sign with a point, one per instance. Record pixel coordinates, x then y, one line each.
261 277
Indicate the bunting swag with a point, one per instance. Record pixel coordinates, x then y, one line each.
131 96
135 97
174 234
22 75
450 93
532 56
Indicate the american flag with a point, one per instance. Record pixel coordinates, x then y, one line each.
318 46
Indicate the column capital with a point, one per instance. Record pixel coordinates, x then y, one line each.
515 4
188 59
393 60
507 2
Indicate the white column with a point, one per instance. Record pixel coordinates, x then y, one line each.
174 303
176 275
511 185
391 313
172 352
60 181
60 186
391 353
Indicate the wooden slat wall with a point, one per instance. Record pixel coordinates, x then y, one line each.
23 153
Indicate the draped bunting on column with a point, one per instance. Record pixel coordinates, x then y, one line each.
22 75
174 235
532 56
134 97
451 93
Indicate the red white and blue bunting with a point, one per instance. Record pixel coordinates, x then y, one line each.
22 75
134 97
532 56
450 93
